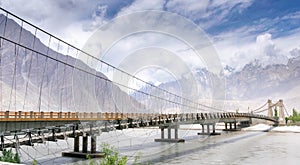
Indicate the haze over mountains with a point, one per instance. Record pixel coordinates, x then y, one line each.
67 89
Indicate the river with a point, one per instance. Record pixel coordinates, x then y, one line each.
242 147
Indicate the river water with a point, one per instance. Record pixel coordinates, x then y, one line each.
242 147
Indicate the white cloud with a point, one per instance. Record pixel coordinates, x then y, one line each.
65 19
294 15
142 5
75 20
264 49
98 19
209 13
189 8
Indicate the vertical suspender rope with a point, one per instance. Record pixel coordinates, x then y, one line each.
57 80
72 87
2 44
4 31
29 69
1 79
63 88
88 93
43 75
14 84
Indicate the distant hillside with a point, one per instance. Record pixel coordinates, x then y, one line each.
63 87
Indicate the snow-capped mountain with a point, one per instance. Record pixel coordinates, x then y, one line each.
255 82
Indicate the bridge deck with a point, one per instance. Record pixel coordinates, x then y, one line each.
20 116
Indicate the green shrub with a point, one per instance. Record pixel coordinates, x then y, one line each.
9 156
295 117
112 156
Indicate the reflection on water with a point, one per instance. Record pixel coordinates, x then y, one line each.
229 148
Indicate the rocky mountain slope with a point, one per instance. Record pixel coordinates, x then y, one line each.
31 81
250 87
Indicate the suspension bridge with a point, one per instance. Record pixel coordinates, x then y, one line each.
51 90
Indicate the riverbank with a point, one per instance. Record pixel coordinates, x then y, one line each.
269 128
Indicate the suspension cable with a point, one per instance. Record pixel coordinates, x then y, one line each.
260 107
286 111
99 60
93 74
261 111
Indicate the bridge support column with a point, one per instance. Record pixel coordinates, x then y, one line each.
106 129
162 132
84 153
244 124
84 144
169 126
76 144
169 132
151 121
232 126
176 133
2 142
208 132
93 144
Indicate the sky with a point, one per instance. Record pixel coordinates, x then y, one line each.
240 31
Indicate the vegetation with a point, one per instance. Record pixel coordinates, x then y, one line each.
276 113
111 156
34 162
295 117
9 156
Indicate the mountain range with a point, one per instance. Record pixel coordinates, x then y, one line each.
40 83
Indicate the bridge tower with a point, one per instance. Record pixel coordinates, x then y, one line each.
281 112
270 111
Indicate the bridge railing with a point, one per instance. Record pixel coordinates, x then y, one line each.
31 115
72 115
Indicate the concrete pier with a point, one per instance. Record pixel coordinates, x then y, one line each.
76 144
93 144
208 130
84 144
169 126
232 126
84 153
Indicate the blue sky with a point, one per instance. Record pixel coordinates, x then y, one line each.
270 14
268 29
